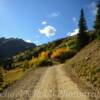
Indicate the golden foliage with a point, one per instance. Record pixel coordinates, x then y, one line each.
58 52
44 55
37 60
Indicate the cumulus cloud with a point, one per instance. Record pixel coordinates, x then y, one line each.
44 23
75 32
29 41
54 14
48 31
92 7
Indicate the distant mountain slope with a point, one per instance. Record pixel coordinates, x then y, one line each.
11 46
50 46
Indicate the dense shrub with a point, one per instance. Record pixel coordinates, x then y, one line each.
41 60
33 62
44 55
72 44
25 65
92 35
1 80
62 54
7 63
44 62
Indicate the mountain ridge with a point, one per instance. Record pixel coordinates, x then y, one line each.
12 46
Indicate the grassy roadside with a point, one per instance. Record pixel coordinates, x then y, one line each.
80 82
85 66
13 75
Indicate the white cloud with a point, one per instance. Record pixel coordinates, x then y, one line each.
54 14
29 41
48 31
75 32
44 23
92 7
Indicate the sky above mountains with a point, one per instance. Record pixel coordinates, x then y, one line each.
41 21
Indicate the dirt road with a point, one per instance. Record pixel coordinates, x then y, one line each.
50 83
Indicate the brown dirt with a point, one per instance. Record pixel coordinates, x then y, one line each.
55 85
50 83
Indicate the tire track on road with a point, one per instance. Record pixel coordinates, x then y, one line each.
22 89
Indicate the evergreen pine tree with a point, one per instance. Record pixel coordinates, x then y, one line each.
97 22
82 38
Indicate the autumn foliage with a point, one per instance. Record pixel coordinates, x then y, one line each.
44 55
41 60
62 54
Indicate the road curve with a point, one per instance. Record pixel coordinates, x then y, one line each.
55 85
50 83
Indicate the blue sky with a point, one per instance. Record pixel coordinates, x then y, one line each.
41 21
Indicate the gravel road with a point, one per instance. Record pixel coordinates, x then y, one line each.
49 83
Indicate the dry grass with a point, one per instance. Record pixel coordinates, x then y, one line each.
13 75
86 65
